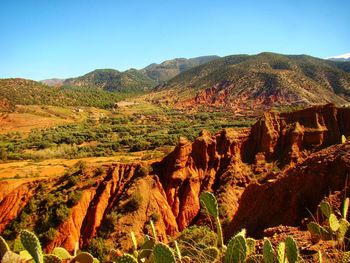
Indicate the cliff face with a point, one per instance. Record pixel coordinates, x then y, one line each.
239 166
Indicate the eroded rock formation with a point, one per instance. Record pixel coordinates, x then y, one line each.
263 176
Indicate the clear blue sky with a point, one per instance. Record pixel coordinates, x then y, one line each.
65 38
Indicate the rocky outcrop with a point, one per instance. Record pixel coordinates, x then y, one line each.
290 137
295 194
195 167
12 203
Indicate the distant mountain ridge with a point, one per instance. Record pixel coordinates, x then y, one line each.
170 68
343 57
132 79
112 80
262 80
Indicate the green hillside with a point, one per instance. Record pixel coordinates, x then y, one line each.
113 80
266 79
29 92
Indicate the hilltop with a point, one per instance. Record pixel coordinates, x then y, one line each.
170 68
112 80
18 91
259 81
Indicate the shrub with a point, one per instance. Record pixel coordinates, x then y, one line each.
196 238
62 213
134 202
74 197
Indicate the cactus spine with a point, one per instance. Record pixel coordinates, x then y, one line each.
163 254
32 245
61 253
209 202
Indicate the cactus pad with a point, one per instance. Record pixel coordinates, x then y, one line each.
32 245
268 254
236 250
3 247
208 201
333 222
343 229
250 245
126 258
84 257
61 253
291 250
52 259
163 254
11 257
326 208
281 252
318 230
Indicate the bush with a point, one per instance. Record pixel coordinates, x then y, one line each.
134 203
196 238
74 197
62 213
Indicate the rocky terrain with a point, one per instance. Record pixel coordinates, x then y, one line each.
275 173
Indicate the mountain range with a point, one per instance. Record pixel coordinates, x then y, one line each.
132 79
238 82
262 80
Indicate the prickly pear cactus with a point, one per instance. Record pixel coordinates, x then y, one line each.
163 254
343 229
268 253
250 245
126 258
291 250
345 208
333 222
50 258
318 230
212 254
32 245
146 249
236 250
84 257
11 257
208 201
25 256
3 247
281 252
325 208
61 253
